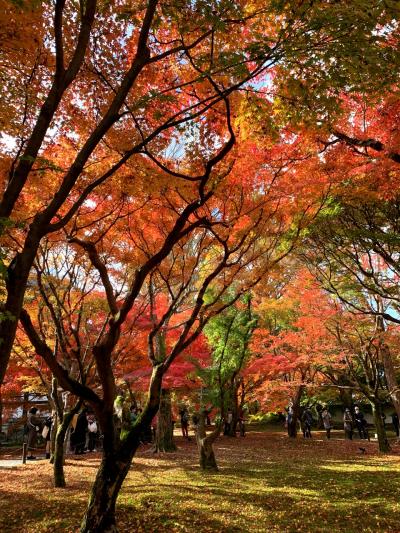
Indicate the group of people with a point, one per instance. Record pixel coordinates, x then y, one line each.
84 432
231 425
357 419
351 421
35 425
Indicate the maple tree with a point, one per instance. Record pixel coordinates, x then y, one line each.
137 141
73 96
353 246
228 242
315 341
291 344
229 336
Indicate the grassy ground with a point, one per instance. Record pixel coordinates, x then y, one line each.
266 483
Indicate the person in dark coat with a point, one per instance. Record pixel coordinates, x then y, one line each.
228 422
307 420
184 415
242 427
361 423
33 427
46 434
395 422
79 433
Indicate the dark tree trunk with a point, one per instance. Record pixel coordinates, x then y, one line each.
116 461
391 378
59 448
383 442
16 280
235 410
293 424
100 514
165 428
25 405
54 429
205 445
1 411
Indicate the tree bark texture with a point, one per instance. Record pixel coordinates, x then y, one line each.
293 424
391 378
383 442
59 448
116 461
1 411
205 443
165 429
235 409
100 514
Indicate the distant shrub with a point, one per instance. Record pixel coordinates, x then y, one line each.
266 418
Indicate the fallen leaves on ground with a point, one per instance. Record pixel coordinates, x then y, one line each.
266 482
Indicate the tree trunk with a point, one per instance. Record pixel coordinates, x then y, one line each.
54 429
16 280
235 410
1 411
116 461
59 448
383 442
100 514
391 379
293 424
165 428
25 405
207 455
114 467
205 445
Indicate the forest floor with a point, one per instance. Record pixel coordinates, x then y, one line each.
266 483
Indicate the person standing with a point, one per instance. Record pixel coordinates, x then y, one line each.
327 421
133 414
307 420
228 422
395 422
184 415
242 427
361 423
289 419
46 434
33 427
348 424
92 431
80 433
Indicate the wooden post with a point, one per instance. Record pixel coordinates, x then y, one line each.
24 452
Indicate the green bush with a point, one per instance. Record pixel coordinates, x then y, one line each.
265 418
